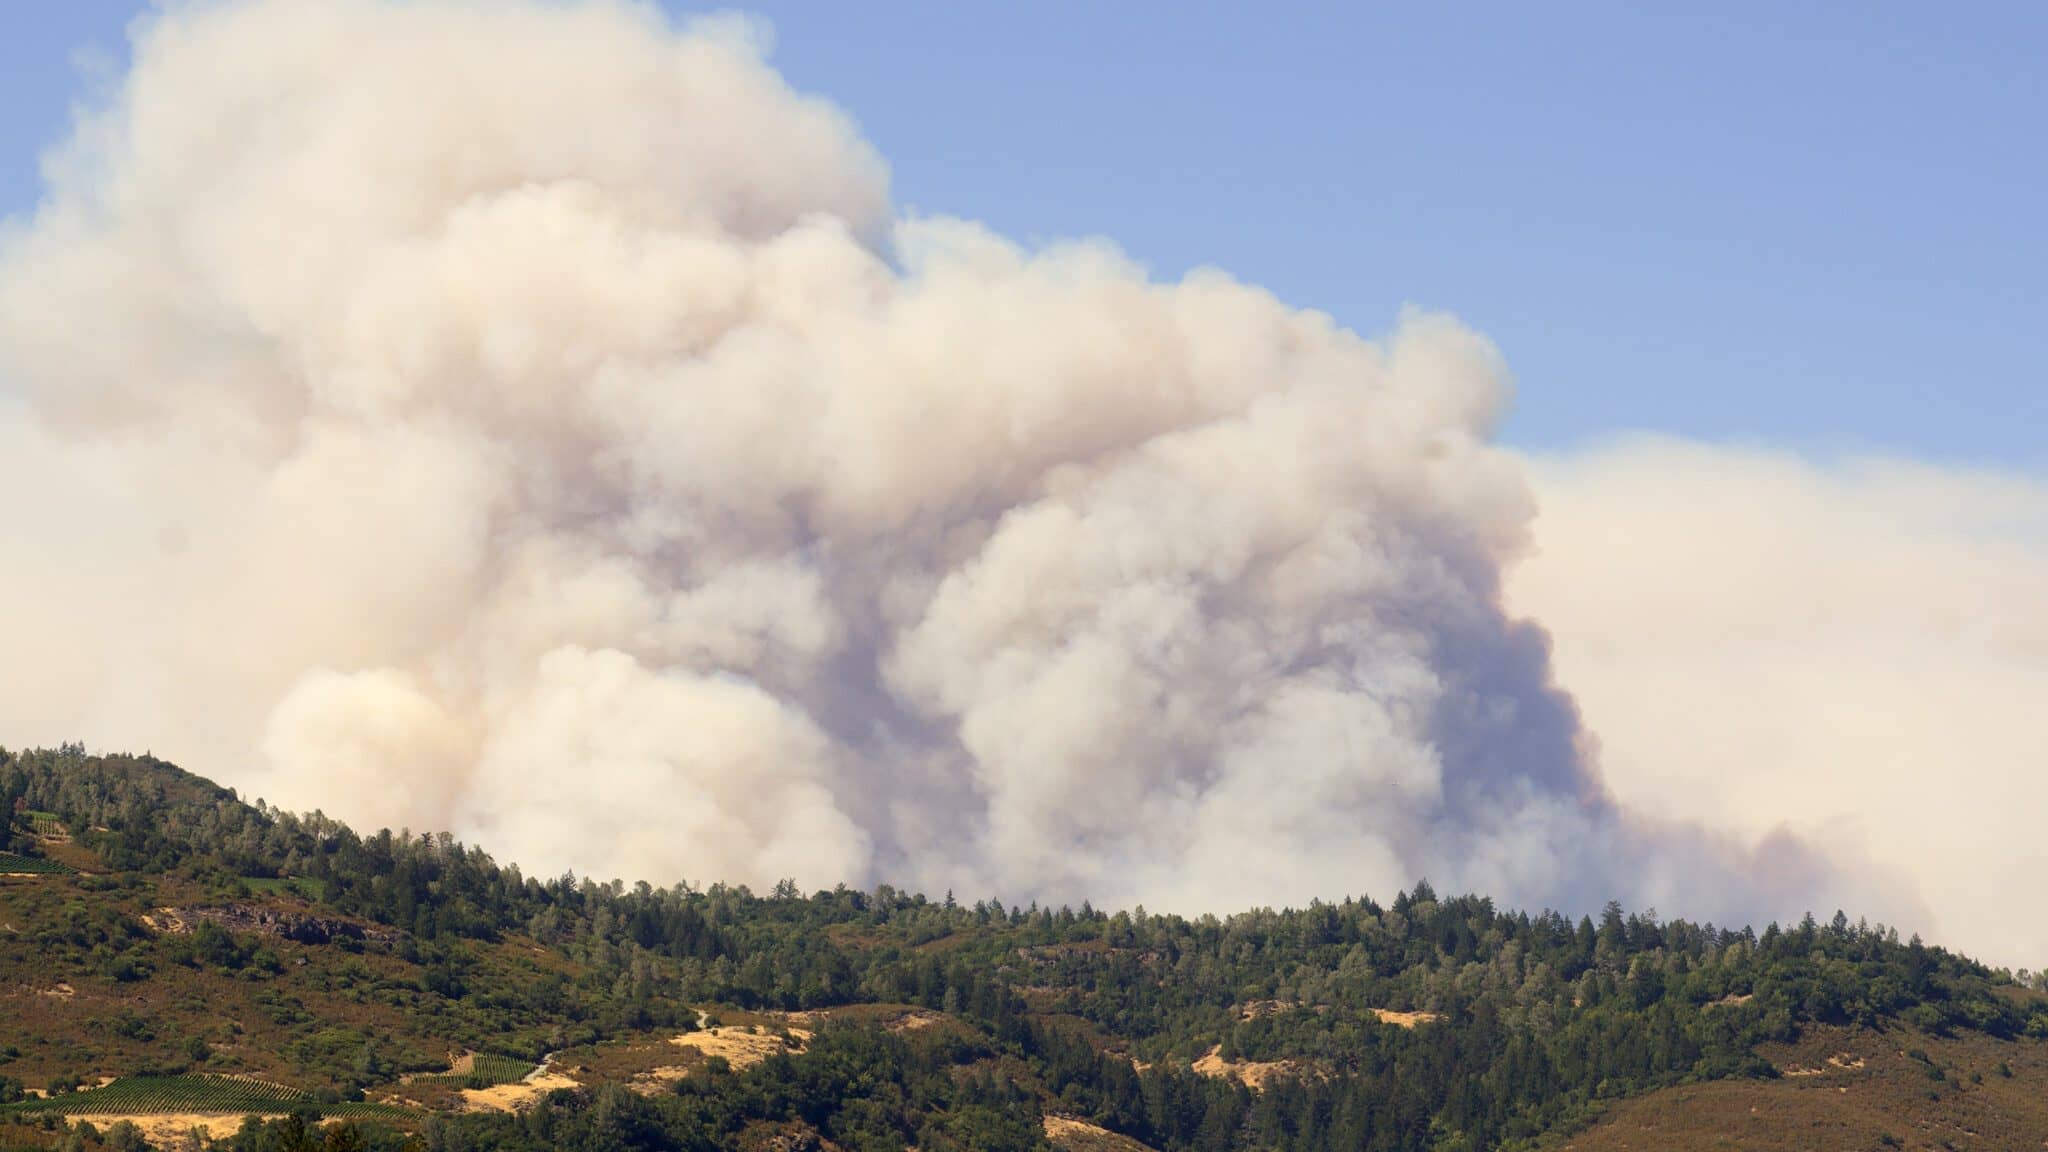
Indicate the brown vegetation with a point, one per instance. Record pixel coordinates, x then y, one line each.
1848 1089
93 1024
741 1046
1071 1135
1253 1074
514 1097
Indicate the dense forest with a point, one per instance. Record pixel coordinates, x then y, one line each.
1429 1021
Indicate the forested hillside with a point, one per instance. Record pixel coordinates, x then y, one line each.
217 957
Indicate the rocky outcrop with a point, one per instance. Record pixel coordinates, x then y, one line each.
282 923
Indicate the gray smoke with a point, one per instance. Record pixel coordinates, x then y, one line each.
531 420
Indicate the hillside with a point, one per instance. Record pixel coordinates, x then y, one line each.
172 957
1848 1088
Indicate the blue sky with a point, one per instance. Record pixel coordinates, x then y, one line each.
1807 225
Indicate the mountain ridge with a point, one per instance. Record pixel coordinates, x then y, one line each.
207 937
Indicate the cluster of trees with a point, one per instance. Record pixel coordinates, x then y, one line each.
15 835
1078 1011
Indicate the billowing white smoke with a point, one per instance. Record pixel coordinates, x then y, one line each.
530 420
1856 649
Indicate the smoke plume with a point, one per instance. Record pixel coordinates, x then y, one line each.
1856 648
533 420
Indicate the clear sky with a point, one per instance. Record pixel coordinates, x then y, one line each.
1814 225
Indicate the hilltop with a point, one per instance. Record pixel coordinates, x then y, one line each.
172 957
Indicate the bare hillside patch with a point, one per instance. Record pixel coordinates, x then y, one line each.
169 1129
516 1097
741 1045
1253 1074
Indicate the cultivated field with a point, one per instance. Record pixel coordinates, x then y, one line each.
12 865
478 1071
149 1095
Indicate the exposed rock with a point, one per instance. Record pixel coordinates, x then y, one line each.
285 925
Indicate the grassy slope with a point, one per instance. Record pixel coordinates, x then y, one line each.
66 1018
1869 1086
1076 1136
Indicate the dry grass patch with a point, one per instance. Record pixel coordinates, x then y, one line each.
656 1081
516 1097
1071 1135
165 922
648 1064
1848 1089
169 1130
1404 1019
741 1045
1253 1074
